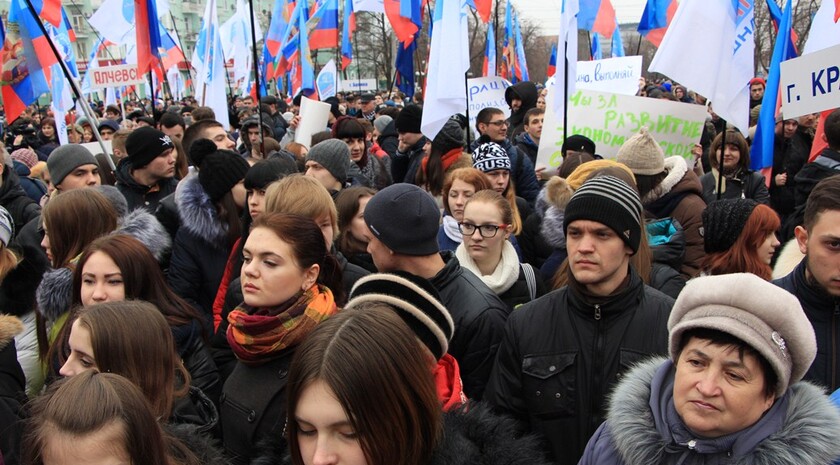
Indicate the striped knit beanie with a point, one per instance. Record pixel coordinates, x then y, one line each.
611 202
415 300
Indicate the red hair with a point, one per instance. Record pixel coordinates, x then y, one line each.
743 257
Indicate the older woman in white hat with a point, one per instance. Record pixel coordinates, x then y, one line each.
731 391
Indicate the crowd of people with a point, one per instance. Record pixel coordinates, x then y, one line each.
229 294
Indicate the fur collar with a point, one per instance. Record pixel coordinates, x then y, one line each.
198 213
789 257
10 326
53 295
809 433
552 227
676 167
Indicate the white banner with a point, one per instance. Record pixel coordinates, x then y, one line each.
327 80
610 119
487 92
619 75
811 83
352 85
115 76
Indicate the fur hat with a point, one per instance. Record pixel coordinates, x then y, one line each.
334 156
409 119
416 301
611 202
490 156
146 143
642 154
64 159
723 221
405 218
762 315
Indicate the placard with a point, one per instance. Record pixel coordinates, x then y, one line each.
485 92
115 76
811 83
314 116
610 119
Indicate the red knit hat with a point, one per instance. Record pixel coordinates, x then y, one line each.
758 80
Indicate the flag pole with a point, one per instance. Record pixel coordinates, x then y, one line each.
720 161
496 37
73 84
566 88
467 91
183 50
256 76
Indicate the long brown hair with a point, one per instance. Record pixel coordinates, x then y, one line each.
74 219
471 176
89 403
131 338
347 205
358 353
743 257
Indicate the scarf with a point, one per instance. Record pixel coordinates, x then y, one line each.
450 228
258 335
505 274
447 377
448 159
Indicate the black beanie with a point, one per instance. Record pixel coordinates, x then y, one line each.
450 137
199 149
146 143
265 172
578 143
416 302
723 221
219 170
409 119
611 202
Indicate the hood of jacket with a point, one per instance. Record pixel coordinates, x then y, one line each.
10 326
198 213
528 93
667 241
804 413
11 187
679 180
54 294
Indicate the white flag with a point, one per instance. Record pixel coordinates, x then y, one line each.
210 86
567 51
449 60
824 31
709 48
327 80
235 34
115 20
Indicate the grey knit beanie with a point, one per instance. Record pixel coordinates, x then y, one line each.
381 122
65 159
762 315
642 154
333 155
450 137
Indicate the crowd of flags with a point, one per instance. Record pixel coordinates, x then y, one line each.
706 46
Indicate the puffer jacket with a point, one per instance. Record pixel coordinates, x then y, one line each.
679 195
667 242
536 247
200 251
527 146
138 195
549 378
801 427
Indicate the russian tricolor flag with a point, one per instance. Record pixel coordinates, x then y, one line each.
597 16
405 18
148 35
656 18
325 33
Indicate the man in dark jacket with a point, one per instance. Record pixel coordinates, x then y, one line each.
403 222
147 174
520 97
563 353
816 280
386 134
491 122
528 142
789 155
14 199
410 150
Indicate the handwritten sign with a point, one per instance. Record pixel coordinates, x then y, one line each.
610 119
486 92
811 83
618 75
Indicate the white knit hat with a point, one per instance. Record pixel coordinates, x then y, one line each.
642 154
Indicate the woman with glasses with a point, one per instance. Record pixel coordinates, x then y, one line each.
487 252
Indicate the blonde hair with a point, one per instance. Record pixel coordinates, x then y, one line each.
301 195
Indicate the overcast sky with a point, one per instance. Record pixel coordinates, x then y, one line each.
546 13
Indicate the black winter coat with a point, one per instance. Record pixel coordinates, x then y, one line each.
404 165
12 396
519 293
17 291
789 156
14 199
138 195
389 139
744 186
479 317
561 357
823 311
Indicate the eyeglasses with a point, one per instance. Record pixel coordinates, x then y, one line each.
486 230
500 123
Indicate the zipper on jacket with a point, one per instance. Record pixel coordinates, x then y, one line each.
598 312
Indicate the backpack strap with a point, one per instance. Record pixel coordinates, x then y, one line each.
530 279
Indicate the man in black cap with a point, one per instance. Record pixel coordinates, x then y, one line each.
368 106
578 144
147 174
406 161
107 128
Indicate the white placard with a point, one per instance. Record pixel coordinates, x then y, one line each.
618 75
351 85
610 119
487 92
115 76
314 116
96 149
811 83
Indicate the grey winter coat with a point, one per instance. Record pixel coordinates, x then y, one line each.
802 427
